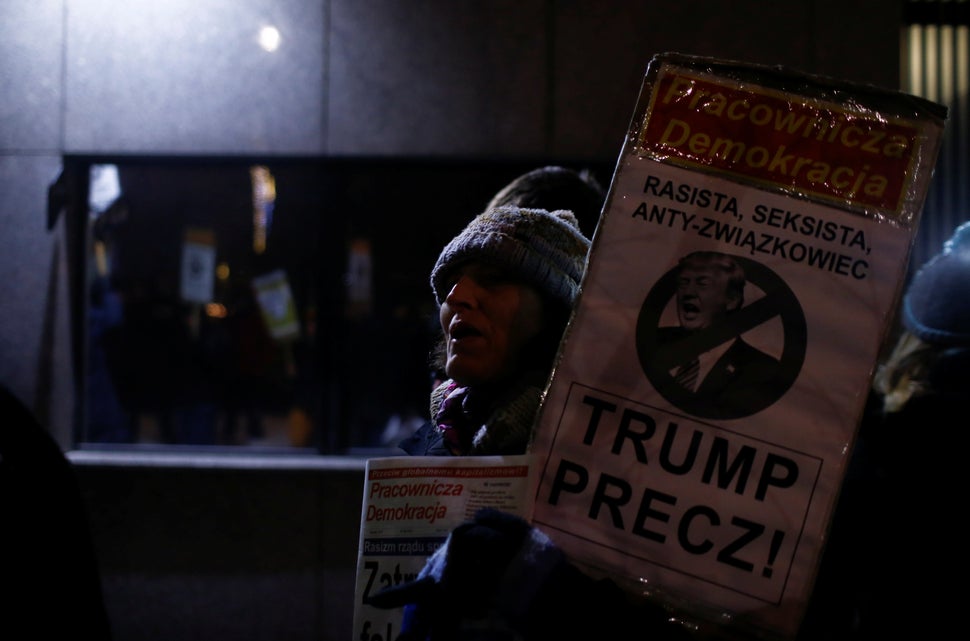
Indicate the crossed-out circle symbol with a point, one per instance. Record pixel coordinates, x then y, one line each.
658 358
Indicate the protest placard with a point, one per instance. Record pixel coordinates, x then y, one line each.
410 505
276 305
760 221
198 266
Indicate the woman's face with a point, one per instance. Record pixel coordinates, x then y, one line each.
487 318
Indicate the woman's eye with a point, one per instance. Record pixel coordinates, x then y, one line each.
495 278
490 279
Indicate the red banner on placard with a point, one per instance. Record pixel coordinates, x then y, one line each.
822 149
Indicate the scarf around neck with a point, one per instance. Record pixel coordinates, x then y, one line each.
472 423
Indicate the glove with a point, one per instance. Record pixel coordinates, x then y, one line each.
498 578
483 578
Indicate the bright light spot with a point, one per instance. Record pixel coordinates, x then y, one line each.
104 188
215 310
222 271
269 38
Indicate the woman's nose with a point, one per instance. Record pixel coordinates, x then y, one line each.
463 292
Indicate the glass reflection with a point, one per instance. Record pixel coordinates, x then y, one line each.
278 306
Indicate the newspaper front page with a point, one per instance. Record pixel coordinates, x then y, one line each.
410 505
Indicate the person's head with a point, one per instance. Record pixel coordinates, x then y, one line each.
505 287
710 285
553 188
932 355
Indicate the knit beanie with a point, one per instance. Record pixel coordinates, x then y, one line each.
936 307
553 188
546 249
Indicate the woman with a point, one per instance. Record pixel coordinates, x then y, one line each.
505 287
891 533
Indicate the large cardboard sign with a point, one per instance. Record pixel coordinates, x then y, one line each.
759 221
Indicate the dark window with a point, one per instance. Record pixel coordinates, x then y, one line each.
271 304
935 64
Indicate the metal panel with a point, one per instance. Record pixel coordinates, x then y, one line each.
31 41
187 76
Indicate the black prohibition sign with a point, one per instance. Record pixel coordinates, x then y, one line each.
657 359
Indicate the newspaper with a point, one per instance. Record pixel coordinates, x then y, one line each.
715 494
410 505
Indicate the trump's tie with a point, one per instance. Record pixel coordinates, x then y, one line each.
686 375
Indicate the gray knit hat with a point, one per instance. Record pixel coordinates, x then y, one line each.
551 188
546 249
936 307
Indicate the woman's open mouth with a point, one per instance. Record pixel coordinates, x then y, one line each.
462 330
